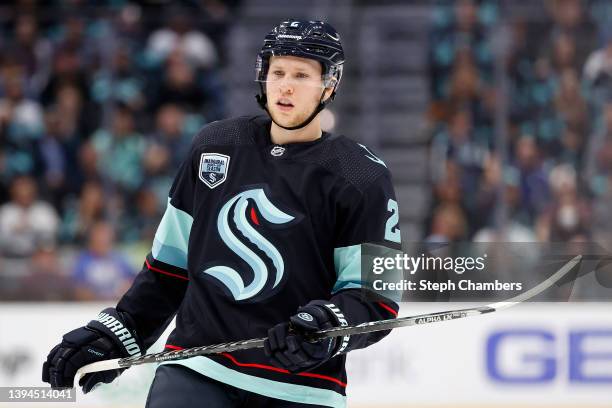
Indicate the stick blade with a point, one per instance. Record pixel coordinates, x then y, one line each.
541 287
96 367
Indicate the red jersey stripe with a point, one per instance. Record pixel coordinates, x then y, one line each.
154 269
268 367
387 308
282 370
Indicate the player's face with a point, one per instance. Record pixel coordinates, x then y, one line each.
294 86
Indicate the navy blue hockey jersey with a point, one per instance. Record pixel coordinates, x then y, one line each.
254 230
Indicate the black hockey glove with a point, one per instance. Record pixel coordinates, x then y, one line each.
286 346
108 336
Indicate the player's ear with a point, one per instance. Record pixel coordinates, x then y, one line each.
328 92
330 88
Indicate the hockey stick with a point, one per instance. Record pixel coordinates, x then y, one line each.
367 327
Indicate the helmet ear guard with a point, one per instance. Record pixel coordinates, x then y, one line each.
261 67
332 75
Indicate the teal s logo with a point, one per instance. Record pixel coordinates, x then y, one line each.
236 208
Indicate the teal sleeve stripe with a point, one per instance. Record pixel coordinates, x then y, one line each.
273 389
347 262
172 237
169 254
346 285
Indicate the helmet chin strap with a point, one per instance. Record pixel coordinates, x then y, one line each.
262 100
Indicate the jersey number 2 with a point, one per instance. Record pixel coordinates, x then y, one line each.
392 230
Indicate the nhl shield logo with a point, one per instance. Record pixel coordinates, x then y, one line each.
213 168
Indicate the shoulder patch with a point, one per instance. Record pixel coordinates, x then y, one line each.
213 168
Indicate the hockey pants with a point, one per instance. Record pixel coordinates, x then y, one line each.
178 386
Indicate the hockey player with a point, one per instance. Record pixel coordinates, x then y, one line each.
262 236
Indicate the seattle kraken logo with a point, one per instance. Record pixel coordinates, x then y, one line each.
229 276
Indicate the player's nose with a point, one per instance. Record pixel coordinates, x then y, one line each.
285 88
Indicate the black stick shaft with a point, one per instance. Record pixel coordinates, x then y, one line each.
368 327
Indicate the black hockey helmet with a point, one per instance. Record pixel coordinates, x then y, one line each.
306 39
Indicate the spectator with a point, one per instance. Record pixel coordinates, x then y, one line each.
456 30
159 173
21 125
57 151
25 222
100 272
67 68
140 221
77 36
129 24
447 188
533 108
448 224
458 142
179 85
178 35
518 224
120 150
563 53
32 51
79 117
88 163
82 214
570 104
20 117
598 69
572 147
170 121
126 86
170 143
569 18
532 177
599 152
464 82
569 214
447 191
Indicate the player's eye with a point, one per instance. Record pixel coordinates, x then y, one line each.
302 75
277 73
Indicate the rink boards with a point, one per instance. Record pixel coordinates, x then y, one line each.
534 355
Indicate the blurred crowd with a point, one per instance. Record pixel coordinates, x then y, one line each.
98 105
550 179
